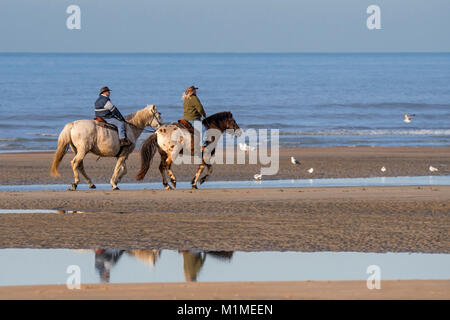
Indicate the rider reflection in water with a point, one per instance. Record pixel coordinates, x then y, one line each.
104 260
192 264
193 261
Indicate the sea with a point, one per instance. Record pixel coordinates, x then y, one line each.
314 100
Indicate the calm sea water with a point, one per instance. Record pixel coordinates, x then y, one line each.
314 99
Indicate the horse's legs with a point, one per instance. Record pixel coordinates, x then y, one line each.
123 171
197 175
173 179
162 167
83 172
79 156
208 173
114 178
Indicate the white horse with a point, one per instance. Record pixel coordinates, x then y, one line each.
86 136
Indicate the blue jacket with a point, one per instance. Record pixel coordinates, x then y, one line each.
106 110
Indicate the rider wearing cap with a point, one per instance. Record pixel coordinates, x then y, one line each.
106 110
193 109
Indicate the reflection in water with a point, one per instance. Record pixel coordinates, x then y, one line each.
104 260
147 256
192 264
69 211
193 261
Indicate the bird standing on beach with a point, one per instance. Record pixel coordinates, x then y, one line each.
383 169
432 169
294 161
257 177
311 170
245 147
407 118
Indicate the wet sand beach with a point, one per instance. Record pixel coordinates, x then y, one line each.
361 219
295 290
366 219
332 162
376 219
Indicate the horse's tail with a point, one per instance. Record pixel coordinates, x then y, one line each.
63 145
148 151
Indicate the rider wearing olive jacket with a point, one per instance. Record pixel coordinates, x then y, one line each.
193 109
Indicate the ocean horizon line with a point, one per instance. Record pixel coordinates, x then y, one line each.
229 53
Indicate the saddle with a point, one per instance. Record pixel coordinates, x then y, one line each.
102 123
184 124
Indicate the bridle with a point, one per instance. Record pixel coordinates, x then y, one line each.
144 129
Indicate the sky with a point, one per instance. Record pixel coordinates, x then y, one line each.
174 26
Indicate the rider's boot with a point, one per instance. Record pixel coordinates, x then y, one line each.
124 142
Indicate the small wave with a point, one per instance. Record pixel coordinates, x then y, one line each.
41 134
385 105
425 132
12 139
19 139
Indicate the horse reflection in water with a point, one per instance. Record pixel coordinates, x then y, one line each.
105 259
193 261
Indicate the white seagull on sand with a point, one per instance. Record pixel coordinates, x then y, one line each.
383 169
408 118
257 177
294 161
432 169
311 170
245 147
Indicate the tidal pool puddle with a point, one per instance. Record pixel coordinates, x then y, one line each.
341 182
51 266
6 211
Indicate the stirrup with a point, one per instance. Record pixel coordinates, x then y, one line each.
125 142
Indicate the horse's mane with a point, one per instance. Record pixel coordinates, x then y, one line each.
136 117
130 116
217 117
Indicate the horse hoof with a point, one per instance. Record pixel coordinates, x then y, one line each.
194 187
92 186
168 188
116 188
202 181
73 188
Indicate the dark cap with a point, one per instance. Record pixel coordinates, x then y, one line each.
104 89
190 90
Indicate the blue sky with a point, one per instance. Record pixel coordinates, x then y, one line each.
224 26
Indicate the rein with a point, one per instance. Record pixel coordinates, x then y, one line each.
144 129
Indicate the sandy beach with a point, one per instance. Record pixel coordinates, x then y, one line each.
361 219
365 219
292 290
332 162
378 219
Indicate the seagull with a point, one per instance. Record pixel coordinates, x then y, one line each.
432 169
294 161
257 177
311 170
383 169
245 147
408 118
